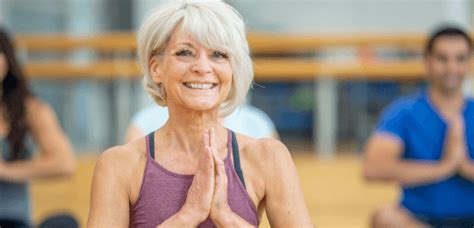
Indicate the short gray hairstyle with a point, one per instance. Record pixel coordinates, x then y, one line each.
212 23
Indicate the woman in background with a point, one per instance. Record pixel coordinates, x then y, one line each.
24 121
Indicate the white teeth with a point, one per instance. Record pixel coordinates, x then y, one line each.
199 85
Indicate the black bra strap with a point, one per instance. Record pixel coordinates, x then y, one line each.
151 144
236 156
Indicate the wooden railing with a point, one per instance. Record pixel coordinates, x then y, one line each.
266 69
262 44
259 42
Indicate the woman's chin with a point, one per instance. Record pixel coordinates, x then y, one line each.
202 106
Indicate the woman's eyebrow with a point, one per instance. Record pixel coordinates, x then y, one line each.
185 44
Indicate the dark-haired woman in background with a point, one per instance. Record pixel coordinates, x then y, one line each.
25 120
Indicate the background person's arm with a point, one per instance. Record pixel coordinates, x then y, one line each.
382 161
55 158
467 169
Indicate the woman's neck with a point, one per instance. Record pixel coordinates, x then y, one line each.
185 130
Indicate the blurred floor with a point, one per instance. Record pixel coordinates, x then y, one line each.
334 190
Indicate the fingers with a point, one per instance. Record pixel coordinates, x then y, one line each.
205 139
221 177
218 162
209 141
456 130
207 158
219 199
208 161
206 166
210 182
212 138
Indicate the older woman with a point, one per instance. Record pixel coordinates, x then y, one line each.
193 172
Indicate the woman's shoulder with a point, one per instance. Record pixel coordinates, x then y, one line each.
264 150
35 106
124 159
262 145
129 153
263 162
38 111
39 114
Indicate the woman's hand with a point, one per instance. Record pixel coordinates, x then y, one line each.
221 213
199 198
207 196
219 207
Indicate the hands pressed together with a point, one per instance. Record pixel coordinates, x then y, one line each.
207 196
455 156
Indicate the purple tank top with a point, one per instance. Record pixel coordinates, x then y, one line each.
163 192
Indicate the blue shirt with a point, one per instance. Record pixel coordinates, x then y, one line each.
15 197
422 131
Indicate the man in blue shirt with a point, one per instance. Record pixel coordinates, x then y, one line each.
425 142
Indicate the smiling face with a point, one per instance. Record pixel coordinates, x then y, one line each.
448 63
193 76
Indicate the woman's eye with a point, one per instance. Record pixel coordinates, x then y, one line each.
461 58
184 53
442 59
219 55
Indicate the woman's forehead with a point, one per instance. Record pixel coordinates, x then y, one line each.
181 37
205 36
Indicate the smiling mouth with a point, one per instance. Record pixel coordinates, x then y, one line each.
203 86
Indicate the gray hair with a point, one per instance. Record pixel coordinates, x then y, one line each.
212 23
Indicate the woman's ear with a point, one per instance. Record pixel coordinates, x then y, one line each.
155 69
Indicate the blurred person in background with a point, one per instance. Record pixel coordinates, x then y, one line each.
193 172
25 121
246 120
425 143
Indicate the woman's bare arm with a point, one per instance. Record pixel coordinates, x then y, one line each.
110 189
383 162
284 201
56 157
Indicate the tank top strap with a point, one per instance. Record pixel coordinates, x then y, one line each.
150 144
236 156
